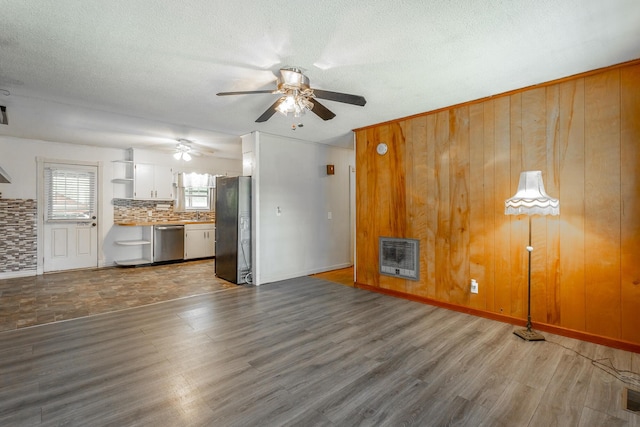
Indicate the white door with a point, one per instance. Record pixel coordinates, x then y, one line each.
70 217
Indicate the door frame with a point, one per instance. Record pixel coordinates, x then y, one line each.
40 161
352 215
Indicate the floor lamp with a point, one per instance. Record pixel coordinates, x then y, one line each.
531 199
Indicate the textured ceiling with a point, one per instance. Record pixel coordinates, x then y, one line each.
143 73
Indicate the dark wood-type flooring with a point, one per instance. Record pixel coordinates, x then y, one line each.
304 352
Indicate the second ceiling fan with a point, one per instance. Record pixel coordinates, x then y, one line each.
297 96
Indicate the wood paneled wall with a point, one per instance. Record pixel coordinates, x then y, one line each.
447 174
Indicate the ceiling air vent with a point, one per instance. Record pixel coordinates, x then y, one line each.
400 257
632 400
4 177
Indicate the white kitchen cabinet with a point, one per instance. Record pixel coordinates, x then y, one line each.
199 240
153 182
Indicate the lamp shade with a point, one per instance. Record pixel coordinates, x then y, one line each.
531 199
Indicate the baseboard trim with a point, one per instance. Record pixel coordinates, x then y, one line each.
558 330
330 268
293 275
14 274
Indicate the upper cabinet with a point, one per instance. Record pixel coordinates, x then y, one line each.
152 182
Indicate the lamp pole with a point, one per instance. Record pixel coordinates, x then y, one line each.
529 334
529 249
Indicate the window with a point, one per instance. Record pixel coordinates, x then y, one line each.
197 198
195 192
70 194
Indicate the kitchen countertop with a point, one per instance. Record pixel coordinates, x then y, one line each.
148 223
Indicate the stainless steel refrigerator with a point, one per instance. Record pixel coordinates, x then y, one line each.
233 229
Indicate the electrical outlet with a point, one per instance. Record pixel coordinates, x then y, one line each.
474 286
150 213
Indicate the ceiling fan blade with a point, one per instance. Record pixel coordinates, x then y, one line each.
248 92
321 111
340 97
269 111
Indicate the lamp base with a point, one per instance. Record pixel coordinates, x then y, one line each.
529 335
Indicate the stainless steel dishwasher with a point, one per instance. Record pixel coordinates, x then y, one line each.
168 242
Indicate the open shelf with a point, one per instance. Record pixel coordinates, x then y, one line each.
135 245
133 242
133 262
123 177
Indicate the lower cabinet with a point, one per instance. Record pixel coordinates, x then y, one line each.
199 240
135 246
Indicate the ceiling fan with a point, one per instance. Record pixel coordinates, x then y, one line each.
297 96
184 149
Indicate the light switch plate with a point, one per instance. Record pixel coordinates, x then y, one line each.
474 286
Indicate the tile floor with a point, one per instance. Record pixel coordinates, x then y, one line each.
35 300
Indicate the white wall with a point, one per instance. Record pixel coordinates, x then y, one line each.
291 175
18 157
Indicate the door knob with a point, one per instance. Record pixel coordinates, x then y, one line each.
93 224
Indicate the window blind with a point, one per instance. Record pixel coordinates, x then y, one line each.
70 194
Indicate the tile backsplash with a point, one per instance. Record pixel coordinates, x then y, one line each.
127 210
19 226
18 235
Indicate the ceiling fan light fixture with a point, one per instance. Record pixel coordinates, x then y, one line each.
304 102
286 105
294 104
182 150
